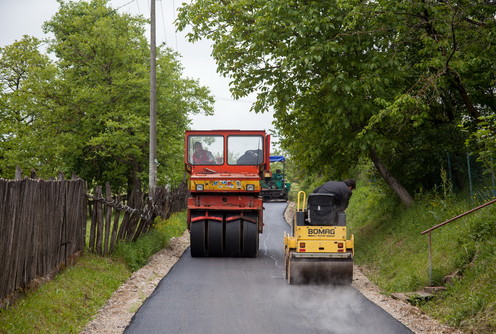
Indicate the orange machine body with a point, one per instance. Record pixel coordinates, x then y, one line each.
225 169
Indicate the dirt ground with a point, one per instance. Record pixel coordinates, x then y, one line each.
120 308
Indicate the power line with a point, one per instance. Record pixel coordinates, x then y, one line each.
163 22
125 5
221 98
174 19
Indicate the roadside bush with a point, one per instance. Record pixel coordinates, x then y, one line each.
136 254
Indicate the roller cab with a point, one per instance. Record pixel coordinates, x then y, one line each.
318 251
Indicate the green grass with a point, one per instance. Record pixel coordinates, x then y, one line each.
389 244
136 254
67 304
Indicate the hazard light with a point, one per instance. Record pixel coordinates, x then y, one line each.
302 245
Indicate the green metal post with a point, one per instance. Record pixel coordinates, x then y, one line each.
469 177
449 170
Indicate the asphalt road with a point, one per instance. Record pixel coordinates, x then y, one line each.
250 295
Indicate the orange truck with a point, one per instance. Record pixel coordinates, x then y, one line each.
225 210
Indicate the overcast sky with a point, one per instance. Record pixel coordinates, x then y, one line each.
25 17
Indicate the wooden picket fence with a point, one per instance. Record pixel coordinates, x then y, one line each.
42 226
114 219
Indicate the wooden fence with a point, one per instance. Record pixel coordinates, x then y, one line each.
114 219
42 226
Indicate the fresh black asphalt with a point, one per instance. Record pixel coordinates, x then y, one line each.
250 295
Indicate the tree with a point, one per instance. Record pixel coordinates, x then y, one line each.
103 59
87 112
26 96
483 141
349 79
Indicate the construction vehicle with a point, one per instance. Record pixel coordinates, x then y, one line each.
225 211
274 185
317 251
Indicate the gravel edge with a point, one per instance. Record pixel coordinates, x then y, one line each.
115 315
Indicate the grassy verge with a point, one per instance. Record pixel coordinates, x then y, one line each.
390 246
136 254
67 304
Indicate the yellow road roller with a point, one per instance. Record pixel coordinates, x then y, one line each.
317 251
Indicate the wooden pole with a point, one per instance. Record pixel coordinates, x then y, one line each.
153 105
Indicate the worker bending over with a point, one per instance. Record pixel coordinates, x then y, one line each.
341 189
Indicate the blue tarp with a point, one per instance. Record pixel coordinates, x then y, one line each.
277 158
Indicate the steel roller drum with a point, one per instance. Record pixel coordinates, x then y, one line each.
302 270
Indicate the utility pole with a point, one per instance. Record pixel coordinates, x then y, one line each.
153 105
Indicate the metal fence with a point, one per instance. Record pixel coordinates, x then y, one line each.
465 171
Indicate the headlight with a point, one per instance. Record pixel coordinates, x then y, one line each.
250 187
199 187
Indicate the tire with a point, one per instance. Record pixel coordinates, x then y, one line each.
215 237
286 264
289 277
233 238
198 239
250 236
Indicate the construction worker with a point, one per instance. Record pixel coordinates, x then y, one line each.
341 189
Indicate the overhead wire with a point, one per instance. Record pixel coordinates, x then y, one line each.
163 22
125 5
174 19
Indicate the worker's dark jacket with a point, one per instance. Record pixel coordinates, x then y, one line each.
341 191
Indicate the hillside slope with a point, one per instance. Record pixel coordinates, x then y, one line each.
390 246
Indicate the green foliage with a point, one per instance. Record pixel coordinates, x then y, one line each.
483 140
136 254
26 83
390 247
470 302
348 77
67 303
88 111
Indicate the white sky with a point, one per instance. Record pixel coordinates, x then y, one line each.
25 17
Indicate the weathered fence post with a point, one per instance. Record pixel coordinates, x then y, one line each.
18 173
115 228
99 220
108 218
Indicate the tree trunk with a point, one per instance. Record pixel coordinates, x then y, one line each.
402 193
465 98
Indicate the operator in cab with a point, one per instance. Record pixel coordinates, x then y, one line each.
202 156
341 189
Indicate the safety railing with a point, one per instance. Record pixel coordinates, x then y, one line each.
445 223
